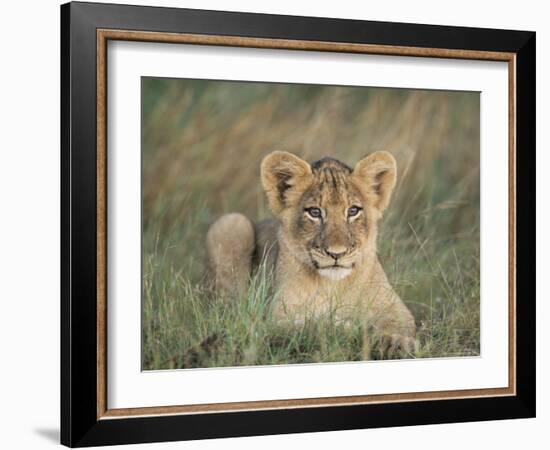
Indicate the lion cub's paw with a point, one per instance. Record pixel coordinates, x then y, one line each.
396 346
389 346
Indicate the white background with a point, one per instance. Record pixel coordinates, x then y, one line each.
29 234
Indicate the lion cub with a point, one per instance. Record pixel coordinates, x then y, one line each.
321 246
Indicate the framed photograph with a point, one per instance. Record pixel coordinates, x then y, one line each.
276 224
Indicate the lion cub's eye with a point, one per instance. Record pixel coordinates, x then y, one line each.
353 211
314 212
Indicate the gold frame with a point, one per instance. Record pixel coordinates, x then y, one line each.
103 36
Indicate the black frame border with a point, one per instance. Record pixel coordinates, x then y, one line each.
79 423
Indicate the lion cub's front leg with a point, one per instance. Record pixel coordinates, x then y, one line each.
390 330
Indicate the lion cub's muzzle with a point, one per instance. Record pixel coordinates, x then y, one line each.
335 262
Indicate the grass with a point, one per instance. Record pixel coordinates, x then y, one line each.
202 145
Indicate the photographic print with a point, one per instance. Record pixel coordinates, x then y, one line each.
296 223
273 224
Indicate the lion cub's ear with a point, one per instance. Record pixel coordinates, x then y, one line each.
284 178
377 174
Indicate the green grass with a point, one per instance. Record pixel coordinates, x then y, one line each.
202 146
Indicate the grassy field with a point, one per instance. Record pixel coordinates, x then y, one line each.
202 144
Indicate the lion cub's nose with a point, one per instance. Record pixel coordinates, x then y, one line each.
336 251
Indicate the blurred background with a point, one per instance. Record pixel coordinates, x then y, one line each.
202 144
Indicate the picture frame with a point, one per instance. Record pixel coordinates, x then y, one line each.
86 30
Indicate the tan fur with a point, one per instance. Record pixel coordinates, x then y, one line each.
325 265
230 245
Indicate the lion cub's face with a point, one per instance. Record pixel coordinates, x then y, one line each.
328 211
